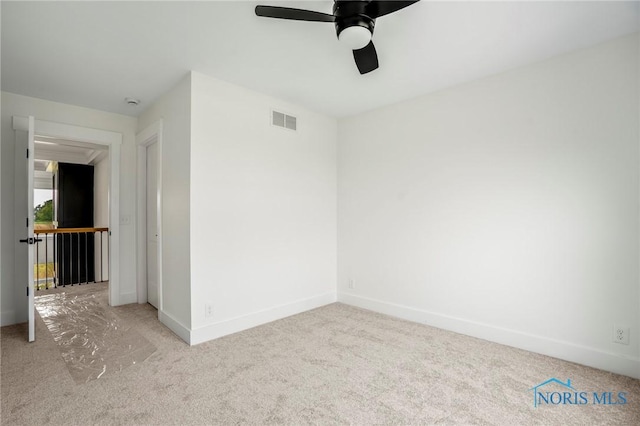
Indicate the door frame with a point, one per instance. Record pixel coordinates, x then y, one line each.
151 134
113 141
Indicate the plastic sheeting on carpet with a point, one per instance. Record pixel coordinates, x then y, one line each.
93 341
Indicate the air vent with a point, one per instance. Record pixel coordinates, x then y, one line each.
281 119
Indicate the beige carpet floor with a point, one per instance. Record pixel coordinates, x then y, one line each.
332 365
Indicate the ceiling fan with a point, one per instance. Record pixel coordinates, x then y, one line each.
354 21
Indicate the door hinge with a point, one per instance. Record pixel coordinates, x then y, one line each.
27 152
27 291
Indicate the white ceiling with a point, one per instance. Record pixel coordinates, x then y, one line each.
95 54
63 151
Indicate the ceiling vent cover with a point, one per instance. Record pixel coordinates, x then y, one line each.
283 120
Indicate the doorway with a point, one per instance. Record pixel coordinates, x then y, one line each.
152 223
149 143
71 217
80 136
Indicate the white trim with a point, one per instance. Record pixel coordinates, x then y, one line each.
174 325
114 225
638 163
151 134
234 325
66 157
67 143
529 342
91 153
30 218
70 132
112 140
95 156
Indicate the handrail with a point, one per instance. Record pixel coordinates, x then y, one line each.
68 230
71 256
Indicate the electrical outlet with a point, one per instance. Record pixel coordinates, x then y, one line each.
208 310
621 334
352 283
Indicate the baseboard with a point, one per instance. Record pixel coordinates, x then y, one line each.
234 325
7 318
176 326
543 345
127 298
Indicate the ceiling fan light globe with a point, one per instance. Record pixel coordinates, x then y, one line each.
355 37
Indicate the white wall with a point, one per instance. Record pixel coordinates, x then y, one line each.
101 217
101 193
13 308
263 209
506 208
174 108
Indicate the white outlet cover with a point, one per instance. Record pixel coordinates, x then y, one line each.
621 334
208 310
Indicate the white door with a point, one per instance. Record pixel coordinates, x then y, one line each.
152 224
24 214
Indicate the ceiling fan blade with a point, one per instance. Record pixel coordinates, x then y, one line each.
381 8
366 58
294 14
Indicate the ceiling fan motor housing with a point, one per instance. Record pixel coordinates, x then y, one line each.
352 13
354 21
